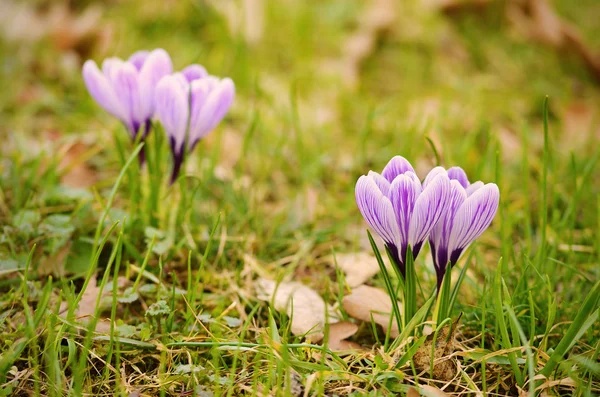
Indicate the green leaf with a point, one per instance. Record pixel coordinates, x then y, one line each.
586 317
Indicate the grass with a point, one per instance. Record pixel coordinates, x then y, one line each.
270 193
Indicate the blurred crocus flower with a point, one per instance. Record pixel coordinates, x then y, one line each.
469 212
189 105
125 89
399 208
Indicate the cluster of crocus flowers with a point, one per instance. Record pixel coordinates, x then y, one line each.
445 208
189 104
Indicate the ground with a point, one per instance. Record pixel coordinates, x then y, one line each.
115 283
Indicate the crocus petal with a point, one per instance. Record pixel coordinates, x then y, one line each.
208 107
223 98
194 72
404 192
432 174
381 182
172 111
127 89
157 65
110 66
440 234
398 165
458 174
428 209
101 90
472 218
474 187
377 210
138 58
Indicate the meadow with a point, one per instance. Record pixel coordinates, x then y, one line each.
253 273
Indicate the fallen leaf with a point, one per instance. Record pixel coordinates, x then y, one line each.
412 392
443 368
366 303
338 332
73 168
358 267
305 306
86 308
430 391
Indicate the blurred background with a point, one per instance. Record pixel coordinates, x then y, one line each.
327 89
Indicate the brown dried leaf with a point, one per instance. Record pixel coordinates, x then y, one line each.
366 303
87 305
430 391
358 267
412 392
444 367
74 170
338 332
301 303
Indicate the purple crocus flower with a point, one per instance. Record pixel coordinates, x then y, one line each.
399 208
470 210
189 105
125 89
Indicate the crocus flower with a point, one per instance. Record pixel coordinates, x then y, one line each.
189 105
470 210
125 89
399 208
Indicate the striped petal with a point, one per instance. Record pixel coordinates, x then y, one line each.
381 182
428 209
432 174
474 187
210 102
404 192
398 165
377 210
128 90
101 90
172 111
440 234
459 175
472 218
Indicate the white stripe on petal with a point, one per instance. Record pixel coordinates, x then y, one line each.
381 182
440 234
398 165
473 217
429 207
459 175
172 110
101 90
474 187
432 174
377 210
404 192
